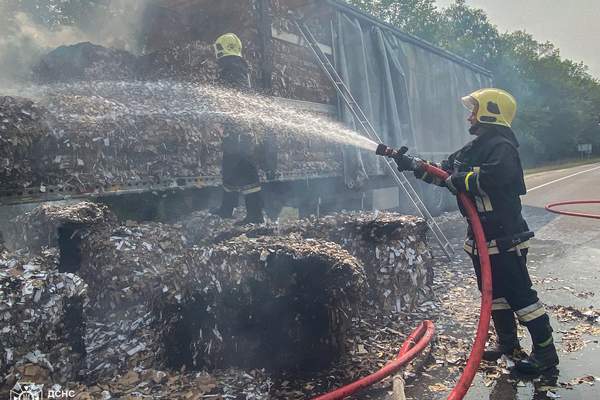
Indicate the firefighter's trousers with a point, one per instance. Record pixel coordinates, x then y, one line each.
512 290
240 176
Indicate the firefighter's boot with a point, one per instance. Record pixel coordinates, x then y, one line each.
229 202
542 358
507 342
254 209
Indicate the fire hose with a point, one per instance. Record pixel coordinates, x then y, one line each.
550 207
415 344
424 332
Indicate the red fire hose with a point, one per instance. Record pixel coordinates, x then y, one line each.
424 332
464 383
416 342
550 207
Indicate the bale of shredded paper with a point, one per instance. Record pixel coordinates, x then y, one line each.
281 303
96 136
43 316
22 125
392 247
50 225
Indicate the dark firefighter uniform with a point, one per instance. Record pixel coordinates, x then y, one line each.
239 167
489 170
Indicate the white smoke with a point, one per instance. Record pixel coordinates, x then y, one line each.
23 40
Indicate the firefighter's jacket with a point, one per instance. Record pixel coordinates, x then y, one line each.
234 73
489 170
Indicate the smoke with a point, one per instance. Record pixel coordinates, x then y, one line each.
22 43
27 33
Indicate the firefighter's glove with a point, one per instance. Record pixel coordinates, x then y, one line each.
446 165
457 182
405 163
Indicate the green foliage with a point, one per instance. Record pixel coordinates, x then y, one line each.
418 17
559 101
468 32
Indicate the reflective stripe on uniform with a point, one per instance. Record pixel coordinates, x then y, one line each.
482 200
500 304
470 247
483 203
479 204
531 312
479 189
487 203
251 190
467 179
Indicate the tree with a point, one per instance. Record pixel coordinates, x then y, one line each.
468 32
418 17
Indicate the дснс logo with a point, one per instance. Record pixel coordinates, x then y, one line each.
27 391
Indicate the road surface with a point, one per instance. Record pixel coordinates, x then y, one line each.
564 263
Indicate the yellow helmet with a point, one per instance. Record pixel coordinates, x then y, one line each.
228 45
494 106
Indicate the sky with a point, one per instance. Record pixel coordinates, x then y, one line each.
572 25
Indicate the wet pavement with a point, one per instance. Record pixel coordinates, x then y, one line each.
564 264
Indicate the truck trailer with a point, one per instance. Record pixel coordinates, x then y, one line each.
83 132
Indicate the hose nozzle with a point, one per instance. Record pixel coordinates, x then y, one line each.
385 151
404 162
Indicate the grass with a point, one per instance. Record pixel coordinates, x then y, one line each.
562 164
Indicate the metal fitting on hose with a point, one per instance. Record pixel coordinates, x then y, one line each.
404 162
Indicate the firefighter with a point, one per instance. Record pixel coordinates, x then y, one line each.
489 170
239 167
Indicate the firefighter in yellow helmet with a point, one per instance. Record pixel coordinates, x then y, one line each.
233 69
240 165
489 170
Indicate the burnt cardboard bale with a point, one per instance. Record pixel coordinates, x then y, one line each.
281 303
120 341
85 61
22 125
42 314
128 135
62 227
202 228
392 247
193 61
125 266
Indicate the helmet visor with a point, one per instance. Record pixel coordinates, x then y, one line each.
470 103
